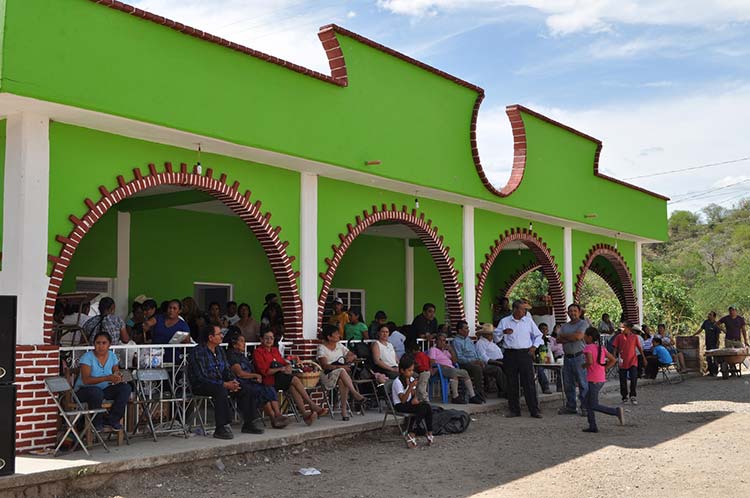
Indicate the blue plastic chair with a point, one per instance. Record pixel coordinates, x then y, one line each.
439 377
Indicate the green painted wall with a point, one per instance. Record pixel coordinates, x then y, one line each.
2 178
82 159
340 202
506 264
378 265
196 247
412 120
96 256
583 242
428 288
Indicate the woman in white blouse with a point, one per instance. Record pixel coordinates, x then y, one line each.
336 361
383 354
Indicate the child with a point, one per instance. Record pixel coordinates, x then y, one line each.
626 345
663 356
405 400
598 360
422 369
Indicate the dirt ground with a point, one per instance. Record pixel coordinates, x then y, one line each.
689 439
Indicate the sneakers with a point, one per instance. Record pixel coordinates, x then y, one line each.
536 415
590 429
459 401
476 400
621 415
566 411
224 432
624 401
633 401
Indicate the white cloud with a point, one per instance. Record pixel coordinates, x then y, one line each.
648 137
571 16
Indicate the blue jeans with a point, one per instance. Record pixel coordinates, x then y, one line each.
574 374
592 403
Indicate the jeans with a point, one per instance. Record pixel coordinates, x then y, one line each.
591 402
93 397
631 372
574 374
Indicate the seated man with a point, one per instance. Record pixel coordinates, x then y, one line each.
662 354
210 375
492 357
442 354
469 359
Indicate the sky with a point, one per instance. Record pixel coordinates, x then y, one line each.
665 84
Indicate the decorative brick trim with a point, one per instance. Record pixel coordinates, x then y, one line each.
427 233
36 414
517 276
544 258
623 288
258 222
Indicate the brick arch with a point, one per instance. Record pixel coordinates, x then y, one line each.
623 288
258 222
544 258
426 232
517 276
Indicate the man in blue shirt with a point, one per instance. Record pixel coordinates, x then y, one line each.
469 360
663 356
521 337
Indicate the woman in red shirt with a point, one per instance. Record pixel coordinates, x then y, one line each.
278 373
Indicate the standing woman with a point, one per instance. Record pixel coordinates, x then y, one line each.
248 325
277 372
711 327
383 354
100 379
336 360
107 322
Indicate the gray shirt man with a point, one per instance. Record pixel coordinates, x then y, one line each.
571 328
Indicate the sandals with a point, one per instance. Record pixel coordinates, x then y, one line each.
430 439
321 411
310 418
279 422
411 441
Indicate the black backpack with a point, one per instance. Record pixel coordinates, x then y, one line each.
447 422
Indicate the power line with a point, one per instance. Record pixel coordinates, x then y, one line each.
698 194
690 168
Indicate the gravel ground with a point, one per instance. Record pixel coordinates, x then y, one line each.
688 439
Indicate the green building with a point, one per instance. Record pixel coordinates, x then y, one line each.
365 183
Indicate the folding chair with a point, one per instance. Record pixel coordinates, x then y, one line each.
60 388
391 410
664 370
149 389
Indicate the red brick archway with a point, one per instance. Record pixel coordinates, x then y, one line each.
258 222
621 285
427 233
517 277
544 260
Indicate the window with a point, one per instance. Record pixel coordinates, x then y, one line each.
208 292
94 285
353 298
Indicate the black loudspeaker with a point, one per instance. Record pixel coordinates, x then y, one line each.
7 339
7 429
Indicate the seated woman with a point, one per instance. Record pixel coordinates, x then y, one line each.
107 322
404 395
383 354
247 324
355 330
242 368
277 372
336 361
100 379
135 323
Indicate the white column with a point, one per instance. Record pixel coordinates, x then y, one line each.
308 261
568 264
409 291
25 222
639 279
122 280
467 253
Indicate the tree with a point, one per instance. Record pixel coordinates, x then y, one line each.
667 300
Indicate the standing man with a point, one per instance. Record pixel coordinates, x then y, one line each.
734 329
424 325
712 330
627 346
571 337
339 318
521 337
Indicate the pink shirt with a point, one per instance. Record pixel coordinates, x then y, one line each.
441 357
595 371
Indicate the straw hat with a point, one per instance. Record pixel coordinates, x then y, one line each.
486 329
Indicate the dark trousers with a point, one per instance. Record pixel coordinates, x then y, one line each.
477 376
93 396
421 411
519 368
495 372
246 402
631 372
713 367
591 402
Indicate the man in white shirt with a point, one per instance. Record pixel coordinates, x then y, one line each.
521 337
492 357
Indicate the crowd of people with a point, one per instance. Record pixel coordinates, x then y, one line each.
508 357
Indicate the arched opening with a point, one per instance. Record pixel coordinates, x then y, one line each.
380 239
597 298
180 184
606 261
518 255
